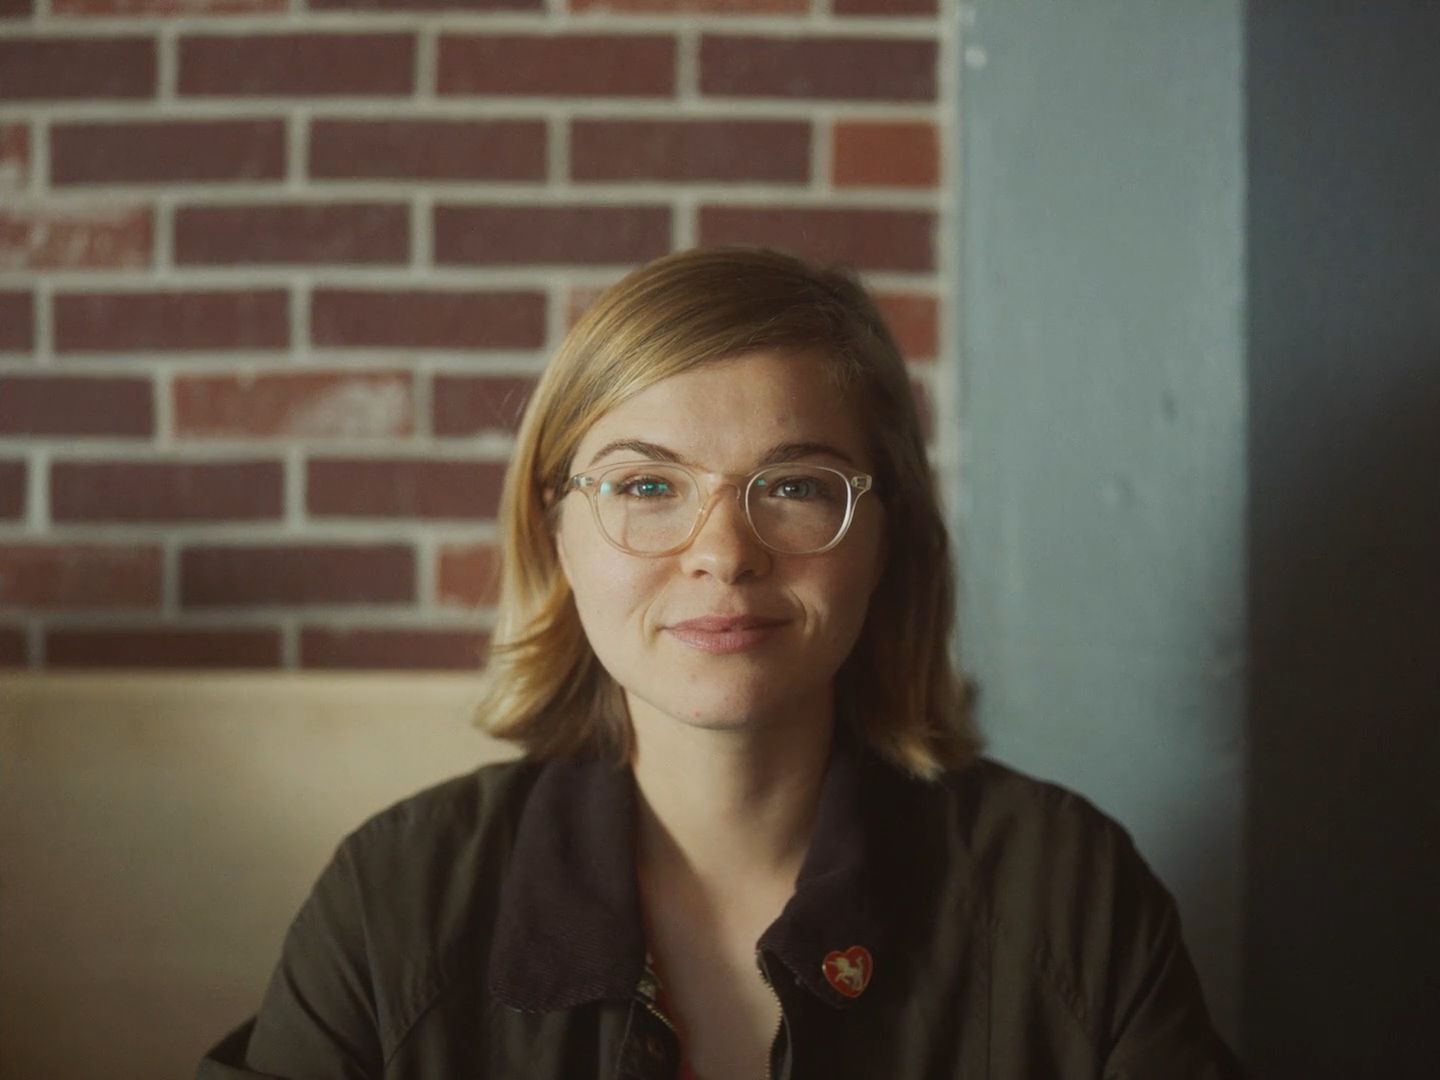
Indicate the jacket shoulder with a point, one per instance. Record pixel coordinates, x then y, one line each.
1065 893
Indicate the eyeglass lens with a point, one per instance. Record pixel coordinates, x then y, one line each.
652 507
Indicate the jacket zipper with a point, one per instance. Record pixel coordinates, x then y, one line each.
779 1023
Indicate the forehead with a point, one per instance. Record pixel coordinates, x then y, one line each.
728 413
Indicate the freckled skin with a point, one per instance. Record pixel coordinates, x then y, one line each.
724 417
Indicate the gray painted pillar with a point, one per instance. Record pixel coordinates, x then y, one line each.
1101 497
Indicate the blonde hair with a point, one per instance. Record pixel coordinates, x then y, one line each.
543 686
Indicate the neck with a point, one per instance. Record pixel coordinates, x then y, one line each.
721 808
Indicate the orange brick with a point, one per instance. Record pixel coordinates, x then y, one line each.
914 320
190 647
53 576
168 7
686 7
469 575
433 649
54 237
359 404
885 155
14 156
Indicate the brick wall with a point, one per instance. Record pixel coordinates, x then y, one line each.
275 278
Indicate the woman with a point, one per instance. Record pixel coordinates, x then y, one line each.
751 835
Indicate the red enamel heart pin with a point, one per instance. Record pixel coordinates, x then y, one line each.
849 971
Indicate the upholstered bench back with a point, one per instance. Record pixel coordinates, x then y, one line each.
157 833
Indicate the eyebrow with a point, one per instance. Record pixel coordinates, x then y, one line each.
787 451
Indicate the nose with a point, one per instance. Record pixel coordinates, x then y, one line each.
725 547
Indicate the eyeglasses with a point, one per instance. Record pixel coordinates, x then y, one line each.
653 508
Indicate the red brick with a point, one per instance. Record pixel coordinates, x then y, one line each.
833 68
866 239
469 575
93 491
334 233
427 5
914 321
685 7
14 653
14 156
166 151
885 7
456 319
579 300
572 65
67 68
550 235
428 149
287 65
52 576
168 7
768 150
886 154
299 574
359 404
62 237
143 321
190 647
924 408
16 9
13 484
470 404
402 488
64 405
17 322
381 649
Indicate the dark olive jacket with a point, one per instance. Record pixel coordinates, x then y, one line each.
490 928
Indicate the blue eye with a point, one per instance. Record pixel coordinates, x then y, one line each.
644 487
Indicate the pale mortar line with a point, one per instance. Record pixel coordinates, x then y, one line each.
39 179
607 193
422 234
557 150
163 439
439 279
687 63
427 575
427 63
37 499
169 576
162 235
685 223
300 288
459 106
44 322
293 520
557 307
199 363
167 64
297 145
947 384
822 143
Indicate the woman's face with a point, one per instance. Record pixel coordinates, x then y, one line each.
802 613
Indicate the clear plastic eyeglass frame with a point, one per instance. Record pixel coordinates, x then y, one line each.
588 484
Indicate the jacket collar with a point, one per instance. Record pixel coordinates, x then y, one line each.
569 929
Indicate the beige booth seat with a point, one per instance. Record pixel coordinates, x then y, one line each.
157 833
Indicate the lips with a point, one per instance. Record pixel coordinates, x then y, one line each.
725 633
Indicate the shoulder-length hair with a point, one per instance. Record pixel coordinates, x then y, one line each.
543 686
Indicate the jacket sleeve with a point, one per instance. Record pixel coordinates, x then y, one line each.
318 1019
1158 1022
